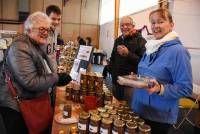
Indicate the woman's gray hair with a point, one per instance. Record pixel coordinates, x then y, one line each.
33 19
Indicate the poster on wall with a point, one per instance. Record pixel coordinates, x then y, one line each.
81 62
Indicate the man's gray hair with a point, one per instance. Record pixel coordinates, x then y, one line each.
128 17
35 18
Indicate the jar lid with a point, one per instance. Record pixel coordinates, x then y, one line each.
139 121
73 129
61 132
134 115
101 109
106 121
131 125
145 128
127 118
84 115
104 114
108 93
92 112
95 118
112 111
119 123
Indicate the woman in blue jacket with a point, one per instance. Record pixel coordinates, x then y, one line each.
168 63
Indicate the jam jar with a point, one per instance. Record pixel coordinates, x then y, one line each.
93 112
82 95
127 118
76 95
104 114
91 80
84 81
139 121
101 109
106 126
108 98
131 128
99 83
68 93
100 99
83 124
118 127
144 129
94 125
67 111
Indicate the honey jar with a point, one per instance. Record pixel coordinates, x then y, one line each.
144 129
108 98
94 125
131 128
118 127
68 93
83 124
106 126
67 110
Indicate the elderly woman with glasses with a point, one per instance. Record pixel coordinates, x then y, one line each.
31 71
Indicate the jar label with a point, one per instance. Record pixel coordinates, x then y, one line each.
114 132
81 126
103 131
65 113
93 129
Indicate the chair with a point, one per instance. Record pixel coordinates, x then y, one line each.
187 103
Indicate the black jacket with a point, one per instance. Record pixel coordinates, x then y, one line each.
123 65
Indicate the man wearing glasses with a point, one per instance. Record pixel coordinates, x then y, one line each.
126 54
54 13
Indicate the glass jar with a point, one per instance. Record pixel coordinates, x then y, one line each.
101 109
144 129
99 83
82 95
106 126
104 114
84 81
118 127
76 95
68 93
127 118
67 111
108 98
83 124
91 80
100 99
131 128
94 125
93 112
91 93
139 121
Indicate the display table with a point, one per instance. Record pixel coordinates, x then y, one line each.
60 101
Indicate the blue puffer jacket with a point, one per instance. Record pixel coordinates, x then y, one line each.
171 66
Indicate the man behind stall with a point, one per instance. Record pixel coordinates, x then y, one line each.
54 13
126 54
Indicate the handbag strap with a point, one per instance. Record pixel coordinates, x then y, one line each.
11 86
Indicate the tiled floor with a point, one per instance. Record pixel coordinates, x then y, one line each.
186 128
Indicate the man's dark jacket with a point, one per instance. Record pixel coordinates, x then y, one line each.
124 65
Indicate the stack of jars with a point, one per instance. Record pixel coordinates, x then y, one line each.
72 94
113 119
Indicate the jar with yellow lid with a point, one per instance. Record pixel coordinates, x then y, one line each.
94 125
112 111
104 114
139 121
83 124
131 128
106 126
144 129
118 127
93 112
101 109
127 118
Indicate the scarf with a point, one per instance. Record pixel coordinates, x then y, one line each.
153 45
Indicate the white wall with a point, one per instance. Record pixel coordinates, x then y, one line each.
186 15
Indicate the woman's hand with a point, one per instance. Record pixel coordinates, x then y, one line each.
155 87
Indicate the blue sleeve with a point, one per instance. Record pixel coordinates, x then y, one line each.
181 73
